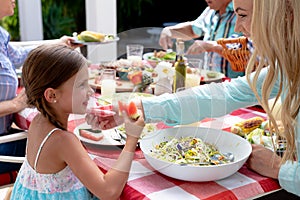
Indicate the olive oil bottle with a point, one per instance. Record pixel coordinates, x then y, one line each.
180 66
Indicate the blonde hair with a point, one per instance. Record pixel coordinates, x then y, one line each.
275 33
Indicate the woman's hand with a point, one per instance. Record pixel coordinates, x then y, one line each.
108 121
15 105
264 161
69 41
20 101
104 122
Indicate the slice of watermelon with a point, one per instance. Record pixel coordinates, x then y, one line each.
94 135
130 109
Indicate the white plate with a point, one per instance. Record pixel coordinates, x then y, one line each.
106 41
206 79
108 134
107 139
147 55
224 141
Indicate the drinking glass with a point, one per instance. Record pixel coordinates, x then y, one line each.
134 52
194 77
108 82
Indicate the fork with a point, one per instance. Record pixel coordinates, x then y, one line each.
115 135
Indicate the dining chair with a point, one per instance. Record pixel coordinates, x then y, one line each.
10 138
10 177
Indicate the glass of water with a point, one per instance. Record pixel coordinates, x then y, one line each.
108 82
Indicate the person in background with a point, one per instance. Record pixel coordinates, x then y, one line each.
57 166
276 39
10 58
216 21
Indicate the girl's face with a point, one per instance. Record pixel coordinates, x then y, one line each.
7 8
243 10
75 93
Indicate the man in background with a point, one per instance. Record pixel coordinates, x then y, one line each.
216 21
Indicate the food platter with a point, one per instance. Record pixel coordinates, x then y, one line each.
111 137
106 41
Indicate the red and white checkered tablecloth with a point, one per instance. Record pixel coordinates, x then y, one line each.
146 183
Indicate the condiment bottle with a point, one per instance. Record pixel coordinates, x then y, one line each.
180 66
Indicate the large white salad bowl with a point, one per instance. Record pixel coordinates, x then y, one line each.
224 141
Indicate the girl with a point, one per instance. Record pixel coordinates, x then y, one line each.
57 166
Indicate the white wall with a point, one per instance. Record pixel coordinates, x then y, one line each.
101 16
31 23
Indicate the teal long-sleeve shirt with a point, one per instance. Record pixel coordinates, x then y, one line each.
214 100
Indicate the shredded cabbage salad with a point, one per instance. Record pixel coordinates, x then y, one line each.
188 150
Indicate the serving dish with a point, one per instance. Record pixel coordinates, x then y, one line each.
107 40
225 142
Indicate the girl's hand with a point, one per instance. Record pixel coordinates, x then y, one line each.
133 128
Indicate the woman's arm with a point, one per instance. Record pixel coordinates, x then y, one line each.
289 173
209 100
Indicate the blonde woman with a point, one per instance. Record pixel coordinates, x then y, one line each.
276 38
274 27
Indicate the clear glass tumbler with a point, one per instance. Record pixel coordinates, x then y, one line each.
108 82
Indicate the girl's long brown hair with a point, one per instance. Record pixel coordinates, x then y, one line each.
49 66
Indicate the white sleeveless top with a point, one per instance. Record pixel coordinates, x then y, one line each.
61 185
